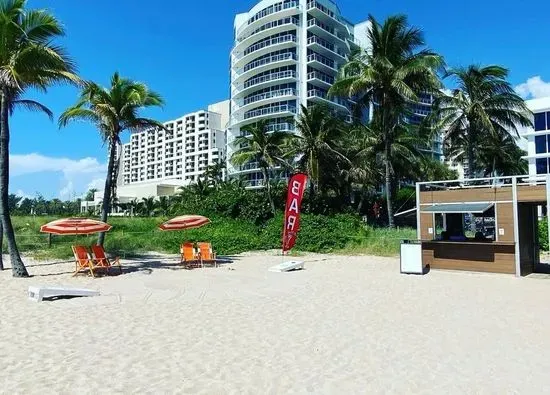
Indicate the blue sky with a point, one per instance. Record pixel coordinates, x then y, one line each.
181 49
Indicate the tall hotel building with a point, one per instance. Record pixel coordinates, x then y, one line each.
286 54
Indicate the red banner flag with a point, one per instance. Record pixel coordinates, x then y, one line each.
296 188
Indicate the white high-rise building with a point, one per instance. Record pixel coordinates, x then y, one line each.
181 153
286 53
158 162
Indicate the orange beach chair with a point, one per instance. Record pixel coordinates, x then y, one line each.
101 258
84 262
189 257
207 255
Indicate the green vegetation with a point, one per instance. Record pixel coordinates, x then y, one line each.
543 234
229 236
483 111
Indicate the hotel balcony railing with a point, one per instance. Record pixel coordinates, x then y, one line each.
328 29
325 44
270 110
270 77
320 76
321 59
268 11
277 127
326 11
249 166
324 95
271 25
269 95
268 60
267 43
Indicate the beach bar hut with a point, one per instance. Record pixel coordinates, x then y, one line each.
485 224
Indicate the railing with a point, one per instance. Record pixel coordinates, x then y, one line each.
321 59
320 76
270 110
324 95
270 77
315 22
326 11
271 25
283 126
269 42
268 60
268 11
269 95
325 44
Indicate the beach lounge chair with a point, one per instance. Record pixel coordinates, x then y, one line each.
84 262
207 256
189 257
102 260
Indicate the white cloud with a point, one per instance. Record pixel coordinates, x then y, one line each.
76 175
97 183
533 88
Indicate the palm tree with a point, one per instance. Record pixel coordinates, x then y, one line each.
113 110
163 205
29 58
214 174
484 104
317 143
390 76
148 206
258 144
500 155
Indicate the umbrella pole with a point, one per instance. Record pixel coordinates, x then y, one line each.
49 240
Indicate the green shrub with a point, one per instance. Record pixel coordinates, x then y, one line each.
543 234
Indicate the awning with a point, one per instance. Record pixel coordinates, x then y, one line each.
458 208
406 213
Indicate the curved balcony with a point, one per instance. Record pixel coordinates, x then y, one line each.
321 96
264 64
283 110
324 31
264 47
265 98
322 63
322 13
320 79
273 12
325 48
264 81
264 31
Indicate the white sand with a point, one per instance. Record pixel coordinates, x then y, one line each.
345 325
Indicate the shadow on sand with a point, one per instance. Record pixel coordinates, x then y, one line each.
145 264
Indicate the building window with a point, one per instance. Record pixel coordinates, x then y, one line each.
540 144
542 166
540 121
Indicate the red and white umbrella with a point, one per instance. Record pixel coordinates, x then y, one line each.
185 222
75 226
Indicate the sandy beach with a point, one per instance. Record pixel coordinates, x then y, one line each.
344 325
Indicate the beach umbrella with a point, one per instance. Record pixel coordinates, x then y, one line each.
75 226
185 222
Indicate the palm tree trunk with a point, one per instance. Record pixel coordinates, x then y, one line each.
389 199
471 160
17 266
265 172
106 206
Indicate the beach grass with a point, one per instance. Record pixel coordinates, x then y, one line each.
344 234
